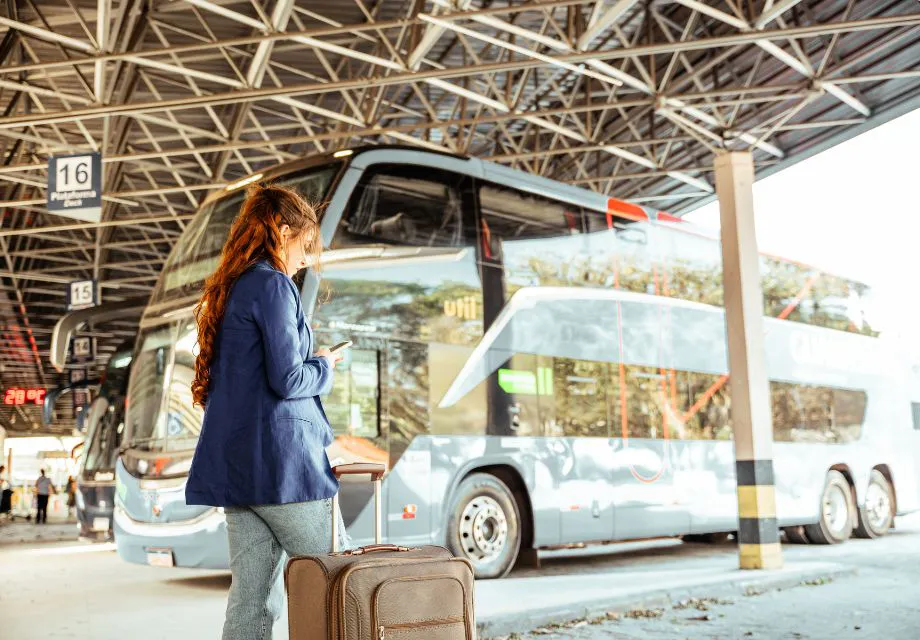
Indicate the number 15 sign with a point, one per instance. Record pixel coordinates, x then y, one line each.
82 294
75 186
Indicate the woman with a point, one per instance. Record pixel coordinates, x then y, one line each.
261 454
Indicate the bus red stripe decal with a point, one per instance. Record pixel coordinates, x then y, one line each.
486 240
626 209
667 217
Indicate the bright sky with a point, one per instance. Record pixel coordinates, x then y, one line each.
853 210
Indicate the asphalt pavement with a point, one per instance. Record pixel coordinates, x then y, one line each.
658 589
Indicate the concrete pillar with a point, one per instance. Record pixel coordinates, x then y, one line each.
758 535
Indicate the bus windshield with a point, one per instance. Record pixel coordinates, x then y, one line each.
160 415
197 252
107 426
106 421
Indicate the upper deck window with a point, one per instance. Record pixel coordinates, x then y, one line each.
404 205
197 253
508 214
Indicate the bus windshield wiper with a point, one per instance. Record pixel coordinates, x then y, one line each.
133 443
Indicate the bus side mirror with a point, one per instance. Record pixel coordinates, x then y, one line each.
633 236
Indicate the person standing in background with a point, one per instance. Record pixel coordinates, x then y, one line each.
44 488
71 496
6 493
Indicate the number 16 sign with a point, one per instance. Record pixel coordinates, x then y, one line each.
75 186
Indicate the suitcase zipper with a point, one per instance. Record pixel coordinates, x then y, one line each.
382 630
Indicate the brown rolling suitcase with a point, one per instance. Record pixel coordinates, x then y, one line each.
380 591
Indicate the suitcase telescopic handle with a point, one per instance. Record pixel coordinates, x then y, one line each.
375 471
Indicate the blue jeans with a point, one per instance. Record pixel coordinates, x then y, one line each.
261 537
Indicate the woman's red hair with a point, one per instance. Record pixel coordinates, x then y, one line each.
255 235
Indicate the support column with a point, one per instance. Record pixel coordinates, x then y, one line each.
758 534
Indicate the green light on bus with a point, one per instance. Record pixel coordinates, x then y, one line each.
526 382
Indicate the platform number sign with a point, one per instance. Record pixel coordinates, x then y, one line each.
82 294
75 186
80 396
83 349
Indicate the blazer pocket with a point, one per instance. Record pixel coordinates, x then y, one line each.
308 431
290 422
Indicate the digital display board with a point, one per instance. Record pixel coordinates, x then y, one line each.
19 396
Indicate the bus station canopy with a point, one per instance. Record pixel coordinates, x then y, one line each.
625 97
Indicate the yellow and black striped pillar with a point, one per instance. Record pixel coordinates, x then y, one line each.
758 535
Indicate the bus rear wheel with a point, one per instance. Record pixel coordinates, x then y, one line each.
875 517
835 524
484 525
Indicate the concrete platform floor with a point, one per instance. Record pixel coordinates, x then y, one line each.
82 590
22 531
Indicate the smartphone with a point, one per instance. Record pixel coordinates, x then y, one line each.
341 346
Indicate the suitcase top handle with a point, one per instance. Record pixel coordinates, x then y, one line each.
373 548
373 469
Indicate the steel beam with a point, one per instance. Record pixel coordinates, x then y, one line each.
429 74
608 18
93 225
770 14
777 52
359 28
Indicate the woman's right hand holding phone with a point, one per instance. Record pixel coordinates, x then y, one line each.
331 358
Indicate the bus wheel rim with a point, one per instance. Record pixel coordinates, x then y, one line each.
878 506
483 529
836 510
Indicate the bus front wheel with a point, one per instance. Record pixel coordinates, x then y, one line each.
485 525
875 517
836 517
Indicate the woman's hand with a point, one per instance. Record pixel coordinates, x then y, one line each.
331 358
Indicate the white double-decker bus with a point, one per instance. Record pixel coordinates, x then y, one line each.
537 365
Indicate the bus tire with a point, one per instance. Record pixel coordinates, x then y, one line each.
835 523
796 535
484 525
875 517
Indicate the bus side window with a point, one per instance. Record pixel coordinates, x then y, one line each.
811 413
580 391
353 402
622 247
507 214
787 414
404 205
626 229
915 412
644 417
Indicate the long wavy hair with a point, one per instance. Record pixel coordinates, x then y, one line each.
255 235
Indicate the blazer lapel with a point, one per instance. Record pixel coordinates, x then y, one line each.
309 333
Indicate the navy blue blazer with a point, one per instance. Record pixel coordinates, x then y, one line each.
264 435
